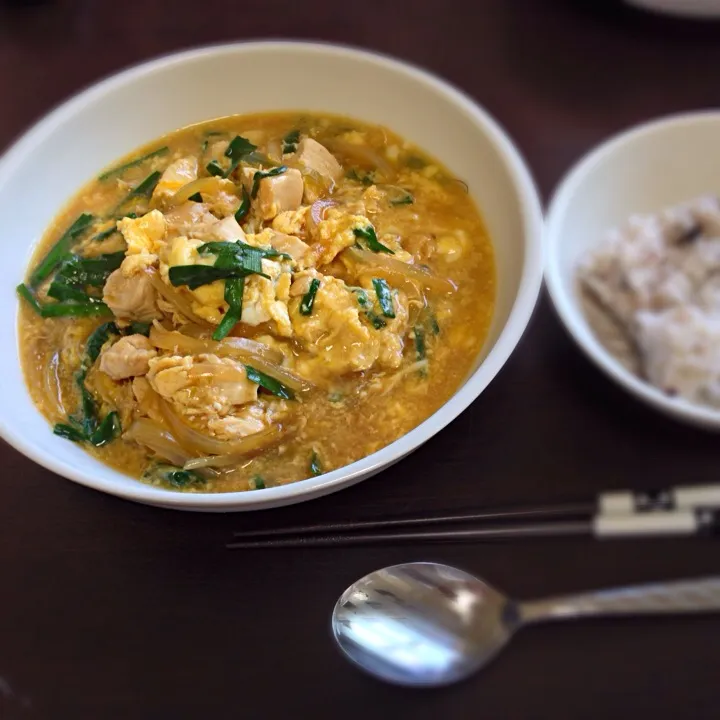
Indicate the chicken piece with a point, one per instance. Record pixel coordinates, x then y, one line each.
291 222
145 238
191 219
265 300
227 229
176 174
279 193
203 385
222 200
128 357
130 297
332 235
333 333
291 245
248 421
316 157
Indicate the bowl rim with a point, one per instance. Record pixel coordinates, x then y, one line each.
566 304
517 321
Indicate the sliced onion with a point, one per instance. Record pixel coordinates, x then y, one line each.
212 185
159 440
219 372
317 212
260 356
365 156
394 270
198 443
250 444
274 149
52 386
175 298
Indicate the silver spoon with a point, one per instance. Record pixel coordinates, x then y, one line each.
426 624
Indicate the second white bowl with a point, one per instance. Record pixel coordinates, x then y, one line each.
644 170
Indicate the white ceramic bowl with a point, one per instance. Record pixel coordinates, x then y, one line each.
643 170
48 164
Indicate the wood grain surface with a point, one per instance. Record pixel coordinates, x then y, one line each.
112 610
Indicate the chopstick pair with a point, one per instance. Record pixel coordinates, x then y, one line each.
679 511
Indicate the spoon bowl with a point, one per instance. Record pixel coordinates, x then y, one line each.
427 624
422 623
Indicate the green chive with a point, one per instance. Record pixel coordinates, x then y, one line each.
172 476
269 383
415 162
68 432
214 168
377 322
257 483
238 148
315 464
96 340
75 309
290 142
308 300
244 208
138 328
60 249
27 294
143 189
368 235
234 288
107 430
120 169
406 200
420 348
384 296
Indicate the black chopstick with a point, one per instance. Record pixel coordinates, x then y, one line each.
508 532
679 511
541 512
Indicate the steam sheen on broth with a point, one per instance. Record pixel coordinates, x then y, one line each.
255 300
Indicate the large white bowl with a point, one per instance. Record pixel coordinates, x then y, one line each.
643 170
48 164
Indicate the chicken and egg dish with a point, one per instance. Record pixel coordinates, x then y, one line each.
255 300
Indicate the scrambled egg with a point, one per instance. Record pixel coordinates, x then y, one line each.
333 235
145 238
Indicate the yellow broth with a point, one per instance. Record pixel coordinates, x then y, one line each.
414 205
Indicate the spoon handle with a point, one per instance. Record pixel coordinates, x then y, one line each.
691 596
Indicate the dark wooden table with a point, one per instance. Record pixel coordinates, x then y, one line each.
113 610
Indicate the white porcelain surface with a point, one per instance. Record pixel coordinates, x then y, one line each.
643 170
44 168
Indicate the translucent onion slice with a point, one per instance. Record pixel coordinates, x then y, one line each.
175 298
159 440
317 212
250 444
198 443
260 356
52 386
365 156
394 270
210 185
219 373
